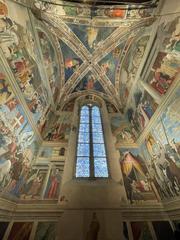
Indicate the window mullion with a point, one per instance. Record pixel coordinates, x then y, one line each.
91 144
91 154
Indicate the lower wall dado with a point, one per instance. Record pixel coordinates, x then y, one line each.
40 220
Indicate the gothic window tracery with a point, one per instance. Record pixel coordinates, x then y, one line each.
91 160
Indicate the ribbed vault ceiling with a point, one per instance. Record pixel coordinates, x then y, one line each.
99 52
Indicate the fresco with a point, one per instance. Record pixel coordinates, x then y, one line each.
130 66
20 231
140 13
99 12
91 37
167 63
17 46
59 128
89 82
122 130
58 9
18 145
119 13
59 152
110 107
3 228
27 185
71 60
142 109
53 185
141 231
115 13
110 63
30 185
50 61
137 185
46 231
46 152
69 106
162 148
44 122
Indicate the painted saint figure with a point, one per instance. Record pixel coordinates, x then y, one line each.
52 190
94 228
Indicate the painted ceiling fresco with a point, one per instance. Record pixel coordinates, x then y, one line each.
123 10
100 2
71 60
97 46
89 83
110 63
102 53
91 36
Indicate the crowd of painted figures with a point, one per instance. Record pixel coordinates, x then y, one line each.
165 173
152 171
162 175
18 47
156 164
25 182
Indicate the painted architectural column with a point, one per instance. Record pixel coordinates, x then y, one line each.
130 234
8 231
46 181
152 230
69 167
151 91
112 154
33 231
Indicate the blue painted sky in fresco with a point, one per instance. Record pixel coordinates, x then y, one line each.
90 36
170 120
110 63
71 60
88 83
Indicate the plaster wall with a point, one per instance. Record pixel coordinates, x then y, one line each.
97 192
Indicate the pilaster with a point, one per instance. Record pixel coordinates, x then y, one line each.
46 181
151 91
33 231
130 234
8 231
152 231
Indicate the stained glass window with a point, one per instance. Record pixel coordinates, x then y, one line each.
91 158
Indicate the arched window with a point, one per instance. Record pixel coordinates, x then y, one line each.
91 154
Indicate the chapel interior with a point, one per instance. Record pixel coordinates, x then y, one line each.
89 119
